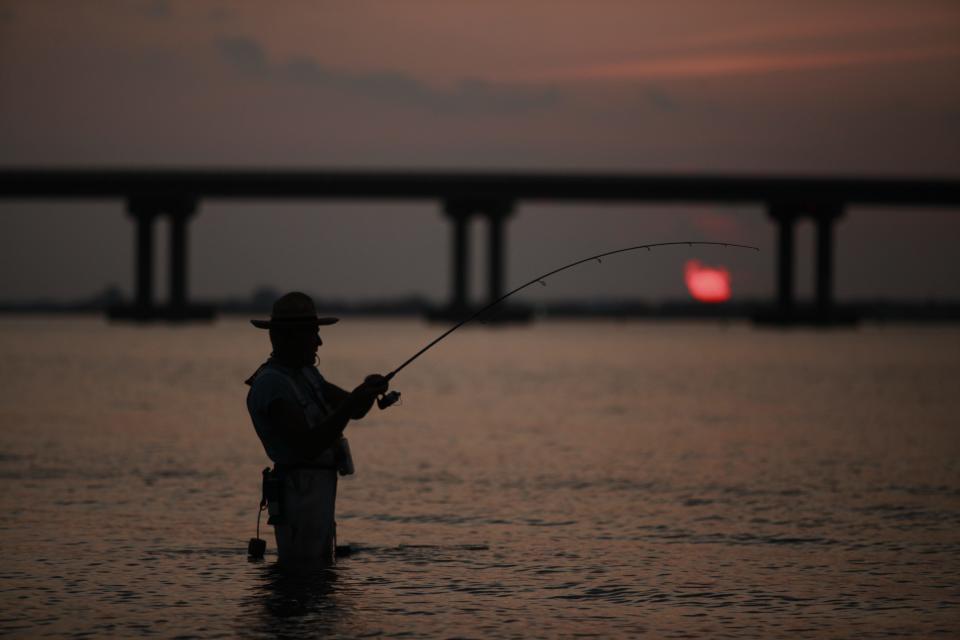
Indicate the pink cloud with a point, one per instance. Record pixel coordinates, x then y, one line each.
726 64
716 223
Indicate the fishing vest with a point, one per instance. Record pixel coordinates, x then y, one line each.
315 409
310 398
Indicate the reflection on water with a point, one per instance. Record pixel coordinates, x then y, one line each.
561 479
297 605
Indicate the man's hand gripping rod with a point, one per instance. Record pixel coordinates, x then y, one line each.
392 397
388 399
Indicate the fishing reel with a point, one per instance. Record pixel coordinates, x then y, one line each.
388 399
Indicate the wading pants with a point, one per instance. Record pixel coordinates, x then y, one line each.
307 537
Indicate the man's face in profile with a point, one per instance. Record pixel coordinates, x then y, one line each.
309 340
298 345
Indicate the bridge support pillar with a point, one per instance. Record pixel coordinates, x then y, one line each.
145 210
461 211
496 214
785 218
179 214
787 311
144 217
459 214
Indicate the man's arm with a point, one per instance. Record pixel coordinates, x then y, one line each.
349 406
337 396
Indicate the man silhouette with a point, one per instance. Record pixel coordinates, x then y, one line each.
300 417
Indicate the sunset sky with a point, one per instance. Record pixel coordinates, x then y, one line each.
825 88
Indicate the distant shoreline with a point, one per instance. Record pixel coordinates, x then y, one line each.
866 310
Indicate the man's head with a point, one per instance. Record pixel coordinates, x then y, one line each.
296 347
293 328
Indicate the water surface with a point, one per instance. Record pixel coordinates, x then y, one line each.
589 478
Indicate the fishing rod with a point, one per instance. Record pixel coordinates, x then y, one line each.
390 398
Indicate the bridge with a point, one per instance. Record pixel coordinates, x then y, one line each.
177 194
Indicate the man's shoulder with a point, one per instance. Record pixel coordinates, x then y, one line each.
267 383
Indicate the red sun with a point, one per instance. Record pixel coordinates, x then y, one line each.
707 284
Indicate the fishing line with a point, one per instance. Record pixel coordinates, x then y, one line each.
393 396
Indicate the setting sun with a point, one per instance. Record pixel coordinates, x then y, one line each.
707 284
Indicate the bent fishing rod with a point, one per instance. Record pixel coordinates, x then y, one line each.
390 398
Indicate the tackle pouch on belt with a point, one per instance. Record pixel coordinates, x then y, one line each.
273 495
344 457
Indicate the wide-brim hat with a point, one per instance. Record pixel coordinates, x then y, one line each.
293 310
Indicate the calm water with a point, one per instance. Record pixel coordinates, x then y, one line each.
561 479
